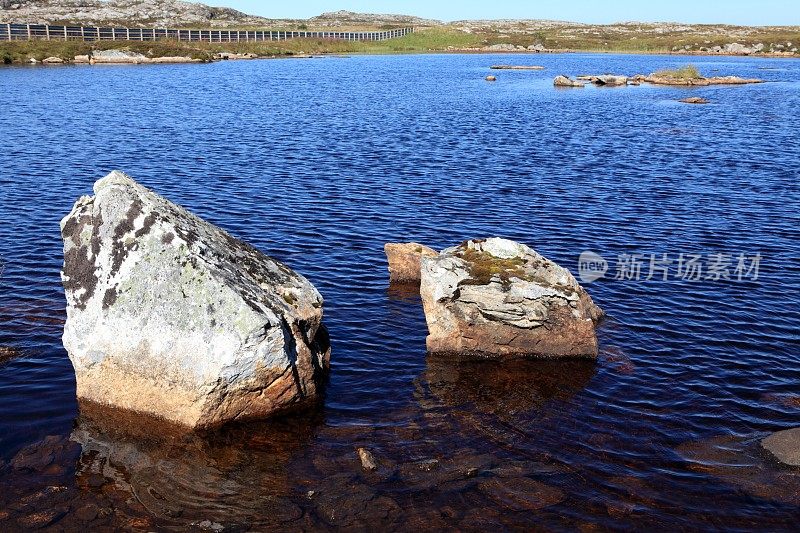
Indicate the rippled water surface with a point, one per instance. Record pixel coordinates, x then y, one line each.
319 163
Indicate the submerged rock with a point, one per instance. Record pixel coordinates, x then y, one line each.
171 316
367 459
498 299
694 100
404 260
7 354
563 81
784 446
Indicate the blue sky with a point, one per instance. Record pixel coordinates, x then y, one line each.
744 12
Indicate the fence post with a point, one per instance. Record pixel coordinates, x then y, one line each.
47 31
8 27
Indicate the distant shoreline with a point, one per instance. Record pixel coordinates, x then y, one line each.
69 52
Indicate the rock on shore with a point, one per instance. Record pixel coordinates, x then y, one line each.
171 316
499 299
127 57
404 260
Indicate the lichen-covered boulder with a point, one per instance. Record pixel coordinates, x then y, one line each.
171 316
404 260
499 299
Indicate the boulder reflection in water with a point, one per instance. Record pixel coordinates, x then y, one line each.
236 476
509 388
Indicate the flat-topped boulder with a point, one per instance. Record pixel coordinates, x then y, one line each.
171 316
610 80
404 260
498 299
563 81
784 446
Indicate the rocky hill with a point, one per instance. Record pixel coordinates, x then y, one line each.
177 13
145 13
349 18
495 35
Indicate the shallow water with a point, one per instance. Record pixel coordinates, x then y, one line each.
318 163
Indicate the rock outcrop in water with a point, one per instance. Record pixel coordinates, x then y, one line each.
404 260
564 81
656 79
784 446
171 316
499 299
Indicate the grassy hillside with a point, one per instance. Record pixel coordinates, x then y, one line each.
441 38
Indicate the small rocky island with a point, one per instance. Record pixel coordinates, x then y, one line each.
685 76
171 316
499 299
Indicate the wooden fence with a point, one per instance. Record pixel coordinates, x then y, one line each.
25 32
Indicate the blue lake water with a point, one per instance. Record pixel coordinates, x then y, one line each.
318 163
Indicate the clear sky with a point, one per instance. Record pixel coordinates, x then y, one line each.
743 12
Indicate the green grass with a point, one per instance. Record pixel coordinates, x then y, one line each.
437 39
689 72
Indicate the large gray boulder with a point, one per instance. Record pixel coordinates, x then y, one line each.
171 316
564 81
499 299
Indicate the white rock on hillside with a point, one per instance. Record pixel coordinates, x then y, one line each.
169 315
